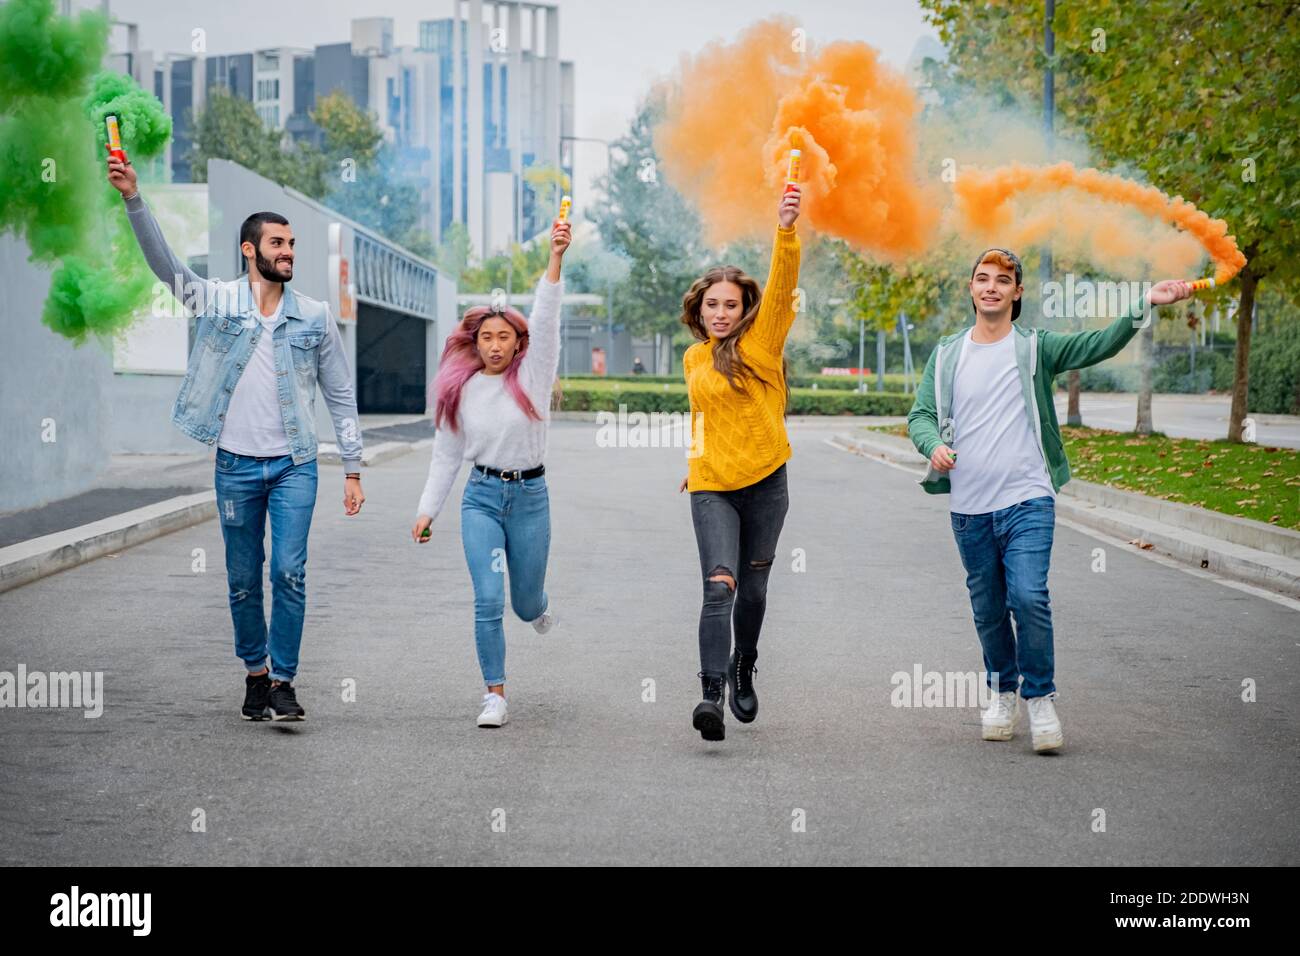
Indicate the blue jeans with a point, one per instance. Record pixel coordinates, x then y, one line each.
504 525
1006 554
248 489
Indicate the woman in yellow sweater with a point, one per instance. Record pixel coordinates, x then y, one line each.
735 377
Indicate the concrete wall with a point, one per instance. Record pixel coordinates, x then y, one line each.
150 357
140 416
448 319
43 376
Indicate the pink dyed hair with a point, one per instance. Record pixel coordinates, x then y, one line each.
460 361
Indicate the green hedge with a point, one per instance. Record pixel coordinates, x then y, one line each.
1275 373
575 398
839 382
1174 374
1171 374
1103 378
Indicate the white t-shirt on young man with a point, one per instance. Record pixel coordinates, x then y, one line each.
253 423
999 463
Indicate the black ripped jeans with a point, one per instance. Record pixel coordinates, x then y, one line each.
736 532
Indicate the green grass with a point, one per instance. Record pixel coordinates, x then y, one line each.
1247 480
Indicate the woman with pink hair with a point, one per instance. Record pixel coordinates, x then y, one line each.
492 404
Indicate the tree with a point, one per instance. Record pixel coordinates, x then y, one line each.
645 221
520 268
353 170
381 197
1198 94
347 131
453 253
548 183
228 127
877 292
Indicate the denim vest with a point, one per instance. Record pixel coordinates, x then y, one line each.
308 352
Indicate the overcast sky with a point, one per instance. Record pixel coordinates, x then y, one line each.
618 47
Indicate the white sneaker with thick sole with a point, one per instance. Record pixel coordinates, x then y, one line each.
1044 725
545 622
998 721
494 711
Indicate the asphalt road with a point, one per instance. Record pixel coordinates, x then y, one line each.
1150 662
1180 416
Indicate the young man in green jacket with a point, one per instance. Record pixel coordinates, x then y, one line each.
987 393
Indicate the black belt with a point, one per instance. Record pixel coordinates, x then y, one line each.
515 475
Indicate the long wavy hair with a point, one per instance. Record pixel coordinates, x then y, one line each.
726 354
461 361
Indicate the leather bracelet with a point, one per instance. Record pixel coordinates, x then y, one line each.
356 475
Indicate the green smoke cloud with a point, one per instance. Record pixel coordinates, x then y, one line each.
53 184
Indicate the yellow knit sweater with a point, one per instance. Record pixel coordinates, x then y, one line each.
744 439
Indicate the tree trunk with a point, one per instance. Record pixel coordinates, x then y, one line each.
1241 364
1072 416
1147 351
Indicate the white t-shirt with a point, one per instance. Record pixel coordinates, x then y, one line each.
999 463
254 424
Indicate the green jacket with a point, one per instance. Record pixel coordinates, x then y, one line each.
1041 355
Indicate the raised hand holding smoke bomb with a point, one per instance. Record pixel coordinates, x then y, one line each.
121 176
1169 291
788 211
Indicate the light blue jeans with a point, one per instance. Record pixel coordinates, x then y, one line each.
1006 554
504 526
249 489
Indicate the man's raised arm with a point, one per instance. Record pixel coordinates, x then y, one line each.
192 290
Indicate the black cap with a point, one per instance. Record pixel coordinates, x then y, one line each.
1015 306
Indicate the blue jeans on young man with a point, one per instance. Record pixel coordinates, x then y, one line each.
504 526
1006 555
248 490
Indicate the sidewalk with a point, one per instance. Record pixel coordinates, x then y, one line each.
140 497
1251 552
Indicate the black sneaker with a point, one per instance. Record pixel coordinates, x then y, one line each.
740 681
284 703
257 697
707 718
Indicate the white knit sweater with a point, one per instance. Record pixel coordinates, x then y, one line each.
492 429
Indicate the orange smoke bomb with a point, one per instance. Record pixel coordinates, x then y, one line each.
1200 284
792 173
566 203
114 144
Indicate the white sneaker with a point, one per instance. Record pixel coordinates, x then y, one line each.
1044 725
545 622
494 711
999 719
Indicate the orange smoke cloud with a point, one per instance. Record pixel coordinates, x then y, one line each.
738 109
983 200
